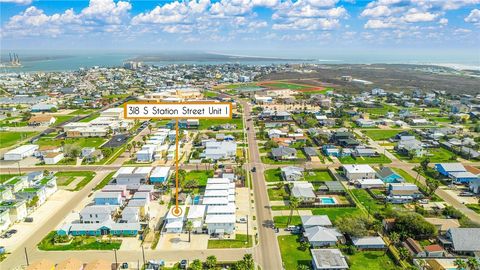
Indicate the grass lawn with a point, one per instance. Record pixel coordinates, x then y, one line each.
281 221
318 175
81 142
275 194
105 181
290 86
65 178
332 213
366 200
436 155
210 94
273 175
239 242
381 134
82 111
412 180
292 256
474 206
91 117
207 123
371 260
382 159
79 243
268 160
381 110
8 138
62 118
5 177
200 176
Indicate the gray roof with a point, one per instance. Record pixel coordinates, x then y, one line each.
328 259
321 234
465 239
452 167
368 241
98 209
303 192
310 151
320 220
385 172
282 151
334 186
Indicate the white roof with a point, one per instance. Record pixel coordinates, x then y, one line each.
22 149
196 211
218 181
144 170
463 175
160 172
370 181
219 219
221 209
102 194
217 186
177 224
171 216
369 240
215 200
124 170
403 186
456 167
216 193
358 168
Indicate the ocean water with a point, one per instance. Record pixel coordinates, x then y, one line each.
70 61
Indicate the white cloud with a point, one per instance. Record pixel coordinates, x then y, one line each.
20 2
379 24
308 24
419 17
378 11
443 21
473 17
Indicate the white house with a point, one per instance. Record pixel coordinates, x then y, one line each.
319 236
196 214
369 183
220 150
328 259
292 173
304 191
132 177
147 153
17 209
52 158
4 220
220 224
174 224
97 213
20 152
160 175
358 171
131 214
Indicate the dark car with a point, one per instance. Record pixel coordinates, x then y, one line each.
254 169
183 264
12 231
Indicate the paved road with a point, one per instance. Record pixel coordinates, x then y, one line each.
267 253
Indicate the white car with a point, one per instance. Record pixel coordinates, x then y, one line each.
242 220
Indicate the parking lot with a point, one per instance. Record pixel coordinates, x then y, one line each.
116 141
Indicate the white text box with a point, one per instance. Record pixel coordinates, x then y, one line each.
220 110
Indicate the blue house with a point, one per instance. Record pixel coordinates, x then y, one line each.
98 229
108 198
446 169
389 176
463 177
160 175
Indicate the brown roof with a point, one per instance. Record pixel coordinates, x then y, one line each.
98 265
70 264
41 265
472 169
413 245
51 155
433 248
40 118
47 147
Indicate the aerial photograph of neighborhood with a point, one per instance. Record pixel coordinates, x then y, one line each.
240 134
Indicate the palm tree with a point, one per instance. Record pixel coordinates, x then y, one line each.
394 238
189 228
211 262
460 264
473 264
294 202
150 127
248 262
422 264
403 253
303 267
129 147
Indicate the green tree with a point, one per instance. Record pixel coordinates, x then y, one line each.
403 253
211 262
394 238
196 265
413 225
189 229
354 226
473 264
33 202
432 185
424 163
460 264
129 147
304 245
294 202
303 267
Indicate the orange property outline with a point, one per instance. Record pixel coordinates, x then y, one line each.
176 103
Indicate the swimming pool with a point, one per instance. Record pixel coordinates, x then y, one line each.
196 200
327 200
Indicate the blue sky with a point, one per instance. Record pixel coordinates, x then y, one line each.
243 25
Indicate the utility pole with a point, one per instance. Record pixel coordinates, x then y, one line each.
116 262
143 254
247 232
26 257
